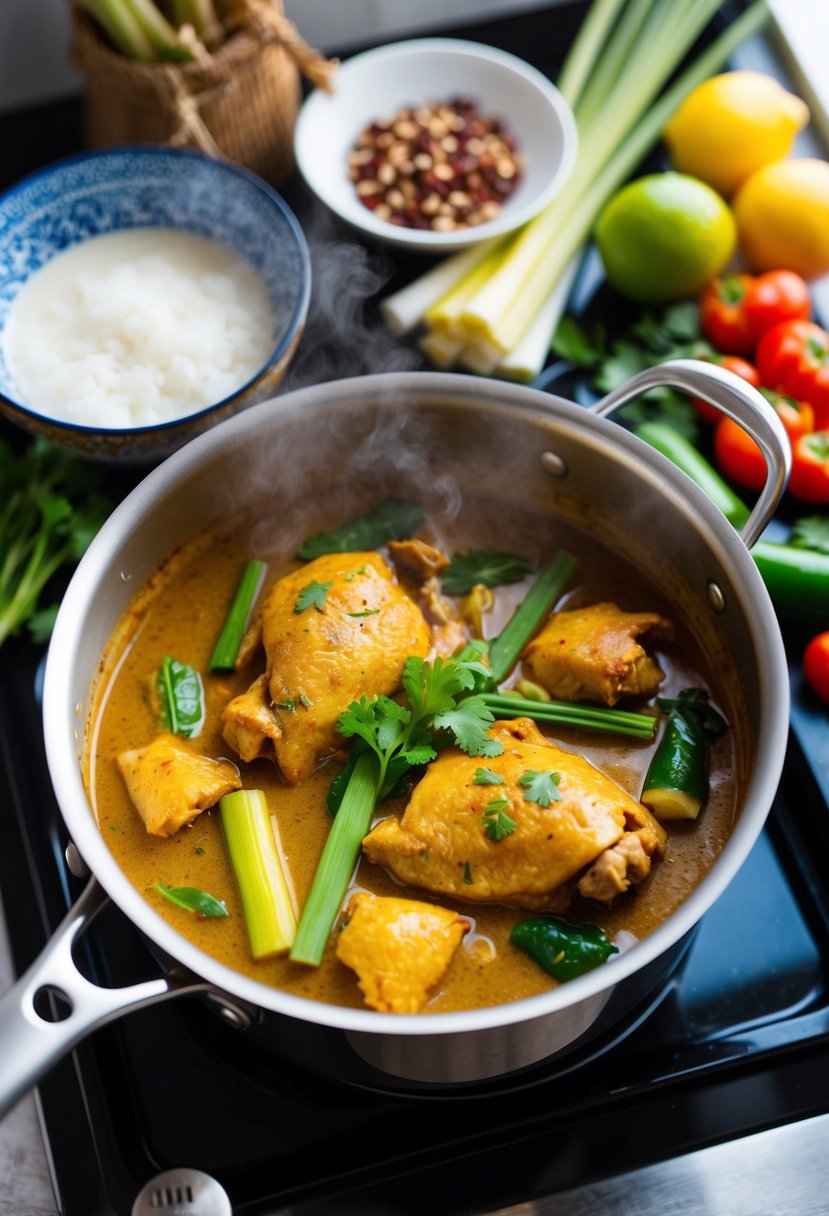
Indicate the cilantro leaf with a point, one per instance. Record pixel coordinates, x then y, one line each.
393 519
572 342
540 788
498 823
314 594
433 688
485 776
811 532
485 567
468 723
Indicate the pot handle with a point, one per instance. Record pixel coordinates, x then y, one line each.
736 399
31 1043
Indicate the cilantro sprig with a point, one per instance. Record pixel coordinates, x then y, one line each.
483 567
390 739
49 513
540 788
497 823
314 595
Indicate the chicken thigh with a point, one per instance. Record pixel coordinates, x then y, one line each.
336 629
520 830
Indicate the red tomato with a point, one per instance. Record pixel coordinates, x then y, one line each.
777 295
793 358
740 367
816 665
722 314
809 479
738 455
797 417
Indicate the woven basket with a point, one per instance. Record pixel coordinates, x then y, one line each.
239 101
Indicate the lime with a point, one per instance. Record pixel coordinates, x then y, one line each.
732 125
782 214
664 236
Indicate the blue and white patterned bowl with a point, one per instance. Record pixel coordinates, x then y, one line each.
140 186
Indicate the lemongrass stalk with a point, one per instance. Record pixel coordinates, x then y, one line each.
480 357
233 630
253 847
404 309
552 258
158 29
569 713
200 14
440 348
339 857
445 311
612 63
505 650
521 283
121 27
526 360
592 36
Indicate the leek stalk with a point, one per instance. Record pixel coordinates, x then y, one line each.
253 847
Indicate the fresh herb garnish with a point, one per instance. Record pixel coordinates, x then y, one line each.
483 567
289 705
485 776
181 694
193 900
811 532
498 823
365 612
670 333
313 595
394 519
49 513
306 701
467 873
540 788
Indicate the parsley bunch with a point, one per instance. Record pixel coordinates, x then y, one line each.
47 518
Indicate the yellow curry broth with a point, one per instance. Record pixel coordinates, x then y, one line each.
180 615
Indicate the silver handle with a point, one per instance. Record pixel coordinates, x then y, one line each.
31 1044
736 399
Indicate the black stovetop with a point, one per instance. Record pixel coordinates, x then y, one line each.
736 1041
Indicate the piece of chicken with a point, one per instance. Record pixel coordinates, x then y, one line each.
592 654
418 564
447 839
170 783
399 948
336 629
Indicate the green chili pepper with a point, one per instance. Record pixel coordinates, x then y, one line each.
563 949
676 784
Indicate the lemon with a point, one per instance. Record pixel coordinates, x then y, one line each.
664 236
732 125
782 215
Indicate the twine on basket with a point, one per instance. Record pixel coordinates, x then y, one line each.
237 100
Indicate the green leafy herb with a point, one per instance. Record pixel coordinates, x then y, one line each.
483 567
485 776
498 823
467 873
306 701
49 513
540 788
181 694
811 532
656 336
313 595
289 705
193 900
365 612
352 574
394 519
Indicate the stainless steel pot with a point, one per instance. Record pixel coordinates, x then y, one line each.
404 431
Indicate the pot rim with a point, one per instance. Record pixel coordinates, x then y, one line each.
64 722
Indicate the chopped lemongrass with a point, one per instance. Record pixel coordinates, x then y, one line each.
339 857
253 846
229 640
443 314
529 615
404 309
569 713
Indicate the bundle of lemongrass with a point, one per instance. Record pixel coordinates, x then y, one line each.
148 32
494 307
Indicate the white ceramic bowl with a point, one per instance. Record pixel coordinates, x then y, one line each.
379 82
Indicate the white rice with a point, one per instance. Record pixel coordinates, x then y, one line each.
137 327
